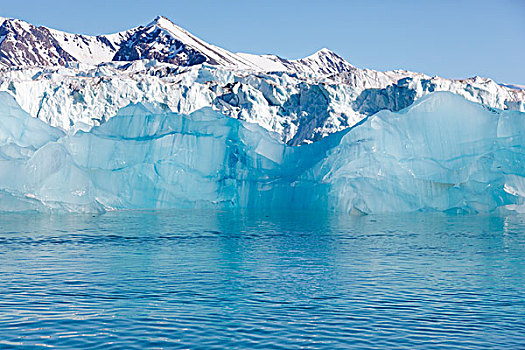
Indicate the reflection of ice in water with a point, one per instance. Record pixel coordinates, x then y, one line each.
223 277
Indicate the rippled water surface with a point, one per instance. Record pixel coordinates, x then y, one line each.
216 279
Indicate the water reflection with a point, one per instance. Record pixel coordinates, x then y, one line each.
261 279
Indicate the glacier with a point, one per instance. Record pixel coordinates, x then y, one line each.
75 81
441 153
300 109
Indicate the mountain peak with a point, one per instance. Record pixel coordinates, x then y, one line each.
175 31
24 44
324 62
161 21
324 52
165 41
16 23
161 18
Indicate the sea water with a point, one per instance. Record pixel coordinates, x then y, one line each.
268 280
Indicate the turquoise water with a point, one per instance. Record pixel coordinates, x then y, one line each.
287 280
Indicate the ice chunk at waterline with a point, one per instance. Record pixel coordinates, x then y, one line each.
442 153
145 159
141 160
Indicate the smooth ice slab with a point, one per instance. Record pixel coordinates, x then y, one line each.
441 153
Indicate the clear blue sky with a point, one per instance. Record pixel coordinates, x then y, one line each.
450 38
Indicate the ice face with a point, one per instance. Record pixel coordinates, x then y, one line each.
441 153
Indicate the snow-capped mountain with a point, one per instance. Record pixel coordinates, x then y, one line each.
76 81
23 44
166 42
26 45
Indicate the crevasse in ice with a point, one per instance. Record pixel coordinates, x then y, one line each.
441 153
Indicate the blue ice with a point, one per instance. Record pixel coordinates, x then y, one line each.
442 153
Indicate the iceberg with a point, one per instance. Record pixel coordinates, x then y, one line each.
441 153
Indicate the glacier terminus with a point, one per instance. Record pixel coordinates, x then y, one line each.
441 153
156 118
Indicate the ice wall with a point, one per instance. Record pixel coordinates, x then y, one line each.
441 153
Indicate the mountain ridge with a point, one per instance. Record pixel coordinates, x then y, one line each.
161 39
104 48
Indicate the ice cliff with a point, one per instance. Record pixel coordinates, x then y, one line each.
441 153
